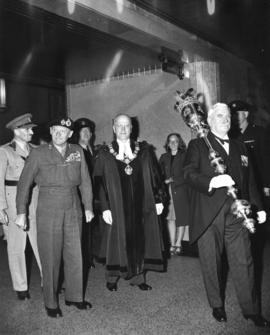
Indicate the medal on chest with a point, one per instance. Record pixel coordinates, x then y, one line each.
128 169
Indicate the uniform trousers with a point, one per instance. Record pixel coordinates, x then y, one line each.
59 224
227 232
17 238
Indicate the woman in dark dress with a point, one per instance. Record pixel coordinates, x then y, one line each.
178 210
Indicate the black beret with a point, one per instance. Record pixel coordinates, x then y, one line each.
238 105
63 122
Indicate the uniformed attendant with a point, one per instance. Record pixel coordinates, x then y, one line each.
254 138
58 169
12 160
83 135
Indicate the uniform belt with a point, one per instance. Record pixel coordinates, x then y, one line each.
11 182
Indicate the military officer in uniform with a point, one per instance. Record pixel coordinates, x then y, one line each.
12 160
58 169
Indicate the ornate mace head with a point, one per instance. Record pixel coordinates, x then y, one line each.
191 111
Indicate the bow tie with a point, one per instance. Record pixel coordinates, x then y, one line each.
221 140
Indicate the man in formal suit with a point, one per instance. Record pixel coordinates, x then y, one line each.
59 169
213 225
12 160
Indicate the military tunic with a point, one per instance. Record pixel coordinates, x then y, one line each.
59 215
12 160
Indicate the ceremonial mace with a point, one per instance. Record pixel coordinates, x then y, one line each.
194 117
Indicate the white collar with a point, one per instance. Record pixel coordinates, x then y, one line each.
124 150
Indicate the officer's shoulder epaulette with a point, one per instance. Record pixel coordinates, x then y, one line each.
9 146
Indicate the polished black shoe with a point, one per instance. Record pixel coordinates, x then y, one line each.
111 286
258 320
143 286
219 314
23 295
79 305
54 312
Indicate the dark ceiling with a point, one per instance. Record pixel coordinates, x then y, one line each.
37 45
239 26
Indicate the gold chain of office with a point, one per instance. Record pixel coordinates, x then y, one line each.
126 160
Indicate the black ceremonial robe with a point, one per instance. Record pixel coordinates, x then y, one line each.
133 243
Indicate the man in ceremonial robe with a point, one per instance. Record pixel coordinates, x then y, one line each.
130 191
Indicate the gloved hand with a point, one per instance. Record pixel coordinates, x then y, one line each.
159 208
266 191
89 215
261 216
168 181
107 216
223 180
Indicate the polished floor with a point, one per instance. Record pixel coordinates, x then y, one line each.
176 305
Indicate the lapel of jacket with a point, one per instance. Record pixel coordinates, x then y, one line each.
218 147
20 152
235 162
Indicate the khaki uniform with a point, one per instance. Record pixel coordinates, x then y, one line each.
59 216
12 160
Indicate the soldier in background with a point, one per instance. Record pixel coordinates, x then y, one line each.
12 160
255 140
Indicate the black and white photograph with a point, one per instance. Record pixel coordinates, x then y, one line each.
134 167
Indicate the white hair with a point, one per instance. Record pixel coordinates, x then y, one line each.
121 115
219 106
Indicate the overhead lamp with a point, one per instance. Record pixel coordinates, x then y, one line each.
172 62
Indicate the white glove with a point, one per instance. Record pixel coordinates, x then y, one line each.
223 180
21 221
159 208
266 191
88 215
261 216
107 216
3 217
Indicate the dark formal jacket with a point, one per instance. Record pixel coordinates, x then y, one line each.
179 187
111 197
89 158
255 140
198 173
